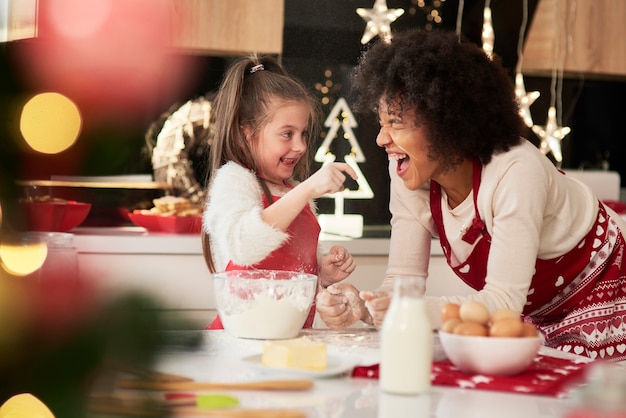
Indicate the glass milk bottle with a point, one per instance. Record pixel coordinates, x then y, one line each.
406 340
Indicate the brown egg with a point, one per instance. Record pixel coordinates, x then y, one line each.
471 328
506 328
472 311
529 330
450 311
449 325
504 313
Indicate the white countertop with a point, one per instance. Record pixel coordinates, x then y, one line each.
220 358
136 240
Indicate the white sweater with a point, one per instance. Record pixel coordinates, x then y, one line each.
233 220
531 210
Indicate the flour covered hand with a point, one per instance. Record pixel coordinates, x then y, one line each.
336 266
339 305
376 303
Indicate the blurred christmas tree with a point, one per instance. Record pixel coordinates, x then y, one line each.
58 336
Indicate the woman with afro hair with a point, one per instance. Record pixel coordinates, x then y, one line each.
512 226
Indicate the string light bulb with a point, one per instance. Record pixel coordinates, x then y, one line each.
431 10
488 35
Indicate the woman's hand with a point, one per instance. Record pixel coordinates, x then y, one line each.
377 302
336 266
339 306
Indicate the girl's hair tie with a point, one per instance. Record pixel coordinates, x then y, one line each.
256 68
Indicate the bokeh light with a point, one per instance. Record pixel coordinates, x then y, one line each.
87 17
22 259
25 405
112 57
50 123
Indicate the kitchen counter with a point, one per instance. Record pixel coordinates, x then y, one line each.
132 239
222 358
171 267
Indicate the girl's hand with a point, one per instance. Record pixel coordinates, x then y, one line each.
377 302
336 266
339 305
329 179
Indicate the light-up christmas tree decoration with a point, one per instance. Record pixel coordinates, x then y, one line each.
341 118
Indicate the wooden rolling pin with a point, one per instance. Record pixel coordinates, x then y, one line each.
191 386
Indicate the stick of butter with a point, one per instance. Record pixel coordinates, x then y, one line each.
298 353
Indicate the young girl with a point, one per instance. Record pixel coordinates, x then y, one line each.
258 214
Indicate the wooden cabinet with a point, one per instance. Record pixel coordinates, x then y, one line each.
228 27
578 37
207 27
18 19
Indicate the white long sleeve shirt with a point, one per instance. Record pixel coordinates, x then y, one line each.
531 210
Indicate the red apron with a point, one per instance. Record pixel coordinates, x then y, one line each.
298 253
577 300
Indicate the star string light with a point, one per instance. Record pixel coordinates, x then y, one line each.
379 19
551 135
524 98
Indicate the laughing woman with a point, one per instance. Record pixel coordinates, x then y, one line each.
512 226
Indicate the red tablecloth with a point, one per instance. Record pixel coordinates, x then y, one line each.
546 376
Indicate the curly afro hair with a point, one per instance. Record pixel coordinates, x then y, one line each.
465 100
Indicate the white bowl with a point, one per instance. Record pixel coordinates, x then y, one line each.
264 304
490 355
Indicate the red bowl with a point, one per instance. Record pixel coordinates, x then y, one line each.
169 224
55 216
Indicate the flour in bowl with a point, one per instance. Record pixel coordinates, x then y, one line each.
267 318
264 304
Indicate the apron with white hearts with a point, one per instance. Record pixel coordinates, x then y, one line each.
577 300
298 253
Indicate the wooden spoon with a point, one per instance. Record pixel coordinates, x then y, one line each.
191 386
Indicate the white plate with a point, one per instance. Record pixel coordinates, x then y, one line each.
335 366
